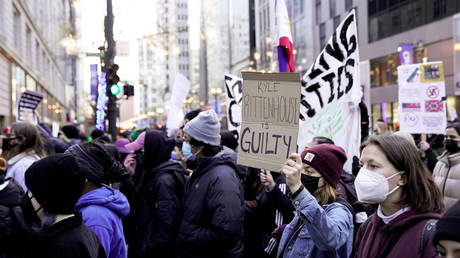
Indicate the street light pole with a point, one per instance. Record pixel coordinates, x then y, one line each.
109 57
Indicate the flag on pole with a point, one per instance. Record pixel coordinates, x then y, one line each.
284 37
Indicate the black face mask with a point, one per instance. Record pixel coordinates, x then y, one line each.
451 145
28 211
310 182
6 143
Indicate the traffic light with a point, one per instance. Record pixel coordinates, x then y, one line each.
128 90
112 79
115 89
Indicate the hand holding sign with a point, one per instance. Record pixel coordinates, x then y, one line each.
266 179
292 169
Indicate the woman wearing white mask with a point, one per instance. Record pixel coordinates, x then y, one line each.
394 176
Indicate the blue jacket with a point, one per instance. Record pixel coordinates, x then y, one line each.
102 210
326 231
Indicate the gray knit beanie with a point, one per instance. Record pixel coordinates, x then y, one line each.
205 128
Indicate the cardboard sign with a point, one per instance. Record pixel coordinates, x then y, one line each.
421 89
270 114
234 92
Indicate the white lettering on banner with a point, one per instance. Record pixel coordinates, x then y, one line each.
234 90
334 76
331 92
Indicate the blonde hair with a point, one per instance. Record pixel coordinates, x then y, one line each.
326 194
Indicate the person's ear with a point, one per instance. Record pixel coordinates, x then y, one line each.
19 140
403 179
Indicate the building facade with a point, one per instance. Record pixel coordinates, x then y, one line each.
32 57
161 56
431 26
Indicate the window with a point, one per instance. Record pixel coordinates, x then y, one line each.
29 43
318 11
384 70
322 35
332 8
439 8
17 29
389 17
349 4
37 54
336 22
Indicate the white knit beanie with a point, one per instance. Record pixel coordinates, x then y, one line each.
205 128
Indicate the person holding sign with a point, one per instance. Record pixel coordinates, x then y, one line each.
394 176
323 223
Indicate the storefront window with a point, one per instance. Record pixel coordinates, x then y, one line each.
384 70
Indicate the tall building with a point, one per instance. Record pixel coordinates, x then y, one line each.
163 55
426 24
215 45
265 55
32 57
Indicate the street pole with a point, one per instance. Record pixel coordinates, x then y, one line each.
109 57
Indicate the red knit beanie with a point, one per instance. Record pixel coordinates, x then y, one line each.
327 159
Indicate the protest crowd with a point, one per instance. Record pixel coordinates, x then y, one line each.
283 189
150 195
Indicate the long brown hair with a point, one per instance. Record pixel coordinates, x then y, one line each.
30 136
420 192
326 194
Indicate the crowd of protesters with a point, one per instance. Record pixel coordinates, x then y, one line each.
145 194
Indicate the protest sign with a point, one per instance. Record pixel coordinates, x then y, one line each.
333 78
27 104
234 93
180 90
421 89
270 119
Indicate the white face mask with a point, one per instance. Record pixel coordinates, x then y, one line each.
372 187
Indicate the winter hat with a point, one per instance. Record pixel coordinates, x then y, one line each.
134 134
137 144
56 182
205 128
70 131
327 159
448 227
229 139
192 114
96 133
120 145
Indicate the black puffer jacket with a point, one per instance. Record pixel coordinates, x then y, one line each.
10 197
163 189
213 217
68 238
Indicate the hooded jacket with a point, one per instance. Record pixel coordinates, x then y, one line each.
18 165
10 196
407 228
161 191
213 216
102 210
446 175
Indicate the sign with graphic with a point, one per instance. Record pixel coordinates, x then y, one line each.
421 89
270 119
234 93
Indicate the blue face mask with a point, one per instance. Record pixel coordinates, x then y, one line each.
187 150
